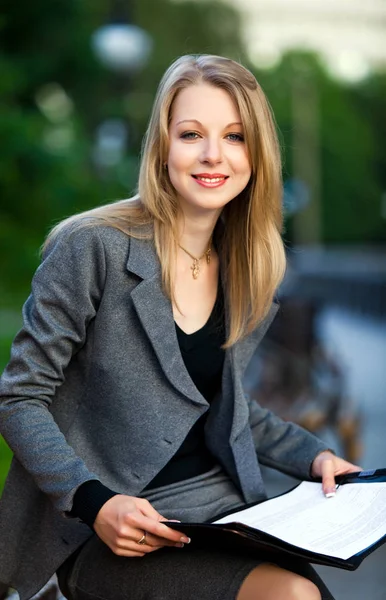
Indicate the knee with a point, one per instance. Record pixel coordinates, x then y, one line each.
300 588
269 582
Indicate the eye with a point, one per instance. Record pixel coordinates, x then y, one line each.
235 137
189 135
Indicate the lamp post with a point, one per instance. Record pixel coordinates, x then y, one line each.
120 45
124 49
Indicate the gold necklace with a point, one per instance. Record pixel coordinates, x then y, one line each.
196 261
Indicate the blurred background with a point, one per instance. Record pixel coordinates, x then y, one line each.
76 89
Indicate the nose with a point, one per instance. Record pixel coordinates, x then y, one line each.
212 152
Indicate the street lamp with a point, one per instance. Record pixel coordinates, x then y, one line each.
123 48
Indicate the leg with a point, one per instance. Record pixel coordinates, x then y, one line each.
270 582
172 574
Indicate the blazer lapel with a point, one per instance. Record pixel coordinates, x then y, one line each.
155 313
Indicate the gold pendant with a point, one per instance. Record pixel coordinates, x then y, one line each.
195 268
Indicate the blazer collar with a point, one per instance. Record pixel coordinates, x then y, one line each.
143 259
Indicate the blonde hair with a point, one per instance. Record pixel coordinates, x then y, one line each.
251 248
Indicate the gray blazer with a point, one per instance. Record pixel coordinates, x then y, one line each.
96 388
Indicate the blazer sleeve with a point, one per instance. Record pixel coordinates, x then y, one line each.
66 290
283 445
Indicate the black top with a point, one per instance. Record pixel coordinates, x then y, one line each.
204 358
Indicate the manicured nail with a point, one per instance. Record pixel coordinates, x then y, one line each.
185 540
179 545
330 494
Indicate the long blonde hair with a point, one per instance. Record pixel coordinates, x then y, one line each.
251 248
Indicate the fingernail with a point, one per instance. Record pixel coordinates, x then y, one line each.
184 539
174 521
330 494
180 545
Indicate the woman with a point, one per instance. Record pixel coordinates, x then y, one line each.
122 400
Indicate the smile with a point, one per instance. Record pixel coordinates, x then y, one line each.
210 181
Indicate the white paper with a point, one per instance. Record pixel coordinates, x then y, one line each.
340 527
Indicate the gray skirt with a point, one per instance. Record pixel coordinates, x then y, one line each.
95 572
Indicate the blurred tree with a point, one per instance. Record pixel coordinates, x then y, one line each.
49 116
44 158
54 94
351 185
370 102
352 133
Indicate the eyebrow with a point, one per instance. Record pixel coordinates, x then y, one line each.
198 123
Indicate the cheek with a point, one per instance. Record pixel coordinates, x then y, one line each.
180 157
244 171
177 168
240 162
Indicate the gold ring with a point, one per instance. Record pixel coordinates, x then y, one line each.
142 541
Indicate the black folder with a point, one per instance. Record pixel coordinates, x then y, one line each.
240 538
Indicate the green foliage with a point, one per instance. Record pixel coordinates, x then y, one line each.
42 179
351 129
5 460
5 343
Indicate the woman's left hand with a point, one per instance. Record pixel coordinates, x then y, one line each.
326 465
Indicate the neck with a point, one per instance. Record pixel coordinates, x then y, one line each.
195 235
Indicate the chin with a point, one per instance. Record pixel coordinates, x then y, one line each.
208 201
210 205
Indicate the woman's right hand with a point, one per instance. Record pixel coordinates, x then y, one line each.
123 520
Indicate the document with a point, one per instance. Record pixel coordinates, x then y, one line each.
302 523
340 527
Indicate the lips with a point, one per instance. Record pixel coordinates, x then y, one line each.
210 176
210 179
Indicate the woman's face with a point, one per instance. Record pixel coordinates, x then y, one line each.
208 162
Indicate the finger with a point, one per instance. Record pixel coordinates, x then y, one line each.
158 542
148 510
342 467
355 468
141 522
150 540
328 478
128 547
126 552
